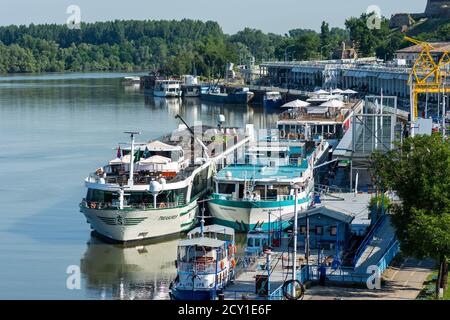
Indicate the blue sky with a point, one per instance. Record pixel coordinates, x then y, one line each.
276 16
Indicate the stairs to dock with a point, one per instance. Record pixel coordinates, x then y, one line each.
379 242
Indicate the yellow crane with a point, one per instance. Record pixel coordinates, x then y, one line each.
428 74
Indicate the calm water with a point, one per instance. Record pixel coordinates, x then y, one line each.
54 130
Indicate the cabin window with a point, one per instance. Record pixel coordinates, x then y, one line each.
226 188
319 230
94 195
250 242
257 242
333 231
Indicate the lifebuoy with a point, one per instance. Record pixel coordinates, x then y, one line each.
93 205
222 264
162 205
282 134
233 263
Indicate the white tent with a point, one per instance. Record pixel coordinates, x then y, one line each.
155 160
321 91
337 90
160 146
296 104
333 104
124 160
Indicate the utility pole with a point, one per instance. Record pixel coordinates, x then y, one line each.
294 251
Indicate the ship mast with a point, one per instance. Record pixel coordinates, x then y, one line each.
132 134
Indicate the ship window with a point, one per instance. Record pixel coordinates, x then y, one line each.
250 242
257 242
226 188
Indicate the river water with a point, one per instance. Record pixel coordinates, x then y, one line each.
54 130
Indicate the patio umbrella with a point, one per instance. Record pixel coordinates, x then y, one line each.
333 104
337 90
321 91
296 104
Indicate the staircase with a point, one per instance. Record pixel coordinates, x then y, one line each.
375 246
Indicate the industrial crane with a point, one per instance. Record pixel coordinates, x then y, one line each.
428 75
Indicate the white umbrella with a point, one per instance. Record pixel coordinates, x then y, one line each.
321 91
296 104
333 104
337 90
350 91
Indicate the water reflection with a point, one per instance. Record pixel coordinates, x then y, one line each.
142 271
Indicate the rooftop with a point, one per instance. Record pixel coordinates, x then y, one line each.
439 47
260 172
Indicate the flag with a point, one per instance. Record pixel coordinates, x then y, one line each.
137 156
147 153
119 153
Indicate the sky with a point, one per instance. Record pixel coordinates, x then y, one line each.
277 16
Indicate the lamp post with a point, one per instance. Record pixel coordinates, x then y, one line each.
285 51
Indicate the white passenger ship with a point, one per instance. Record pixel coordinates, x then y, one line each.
167 89
156 194
260 193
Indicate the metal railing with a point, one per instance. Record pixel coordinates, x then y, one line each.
368 239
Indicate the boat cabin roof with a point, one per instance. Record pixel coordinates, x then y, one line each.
261 172
202 242
212 229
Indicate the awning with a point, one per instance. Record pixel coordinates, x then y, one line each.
155 160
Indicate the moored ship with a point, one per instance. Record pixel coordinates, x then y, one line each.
151 190
260 193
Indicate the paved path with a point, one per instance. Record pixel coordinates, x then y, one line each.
404 283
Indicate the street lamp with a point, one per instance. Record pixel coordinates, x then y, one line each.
285 51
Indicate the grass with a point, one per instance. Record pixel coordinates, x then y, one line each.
428 292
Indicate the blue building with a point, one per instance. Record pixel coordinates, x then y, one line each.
328 228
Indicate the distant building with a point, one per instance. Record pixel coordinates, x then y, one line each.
411 54
435 9
438 9
345 53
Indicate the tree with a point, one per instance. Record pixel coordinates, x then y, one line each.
419 172
325 40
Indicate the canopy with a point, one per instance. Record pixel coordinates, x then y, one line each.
337 90
296 104
213 229
321 91
333 104
317 110
155 160
124 160
160 146
350 91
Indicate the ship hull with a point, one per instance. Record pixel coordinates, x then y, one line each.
231 98
248 215
135 225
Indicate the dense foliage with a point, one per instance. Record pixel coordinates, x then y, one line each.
180 47
419 172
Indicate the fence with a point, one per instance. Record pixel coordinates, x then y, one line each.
343 275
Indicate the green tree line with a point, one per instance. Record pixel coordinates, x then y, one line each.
180 47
